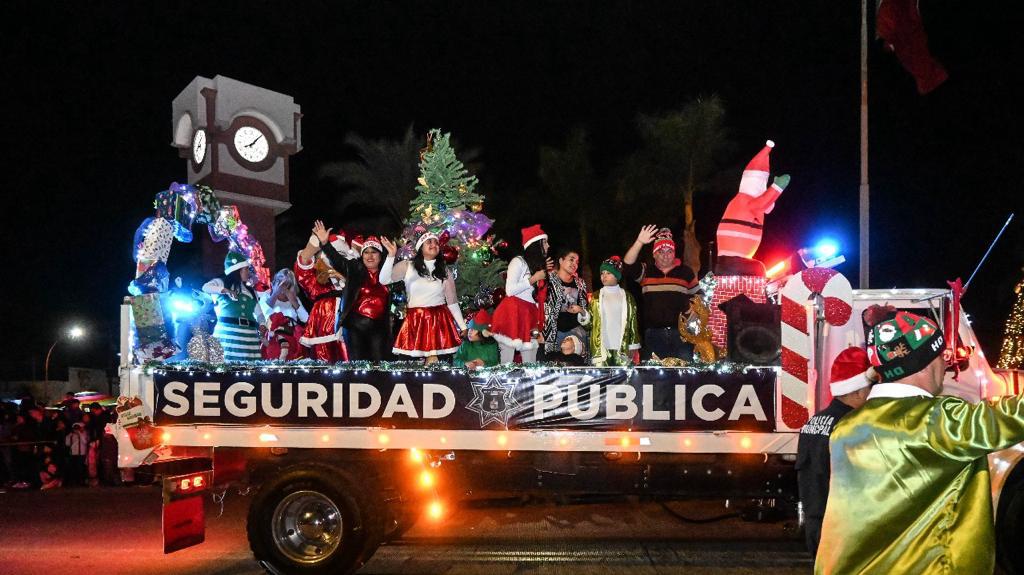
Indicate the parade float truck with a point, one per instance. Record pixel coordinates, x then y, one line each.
343 458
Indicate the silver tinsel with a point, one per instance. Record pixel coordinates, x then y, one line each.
204 347
707 287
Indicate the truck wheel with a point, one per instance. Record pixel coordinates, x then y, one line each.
313 520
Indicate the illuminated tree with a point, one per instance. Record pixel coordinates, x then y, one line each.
1012 354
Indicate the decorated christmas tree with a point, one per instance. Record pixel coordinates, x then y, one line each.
448 205
1012 354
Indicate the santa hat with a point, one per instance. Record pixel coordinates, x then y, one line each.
235 261
577 345
336 240
849 371
361 244
480 321
533 234
755 178
663 240
424 237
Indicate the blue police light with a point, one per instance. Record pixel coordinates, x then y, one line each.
826 249
182 305
824 254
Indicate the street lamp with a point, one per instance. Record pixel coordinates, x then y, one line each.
73 332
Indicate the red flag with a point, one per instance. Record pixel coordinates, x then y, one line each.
899 24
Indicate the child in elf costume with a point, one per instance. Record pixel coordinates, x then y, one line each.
238 315
478 349
614 335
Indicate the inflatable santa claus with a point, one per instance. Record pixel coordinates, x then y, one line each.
739 231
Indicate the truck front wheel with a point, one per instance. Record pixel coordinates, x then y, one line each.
313 520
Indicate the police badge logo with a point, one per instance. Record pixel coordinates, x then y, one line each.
493 401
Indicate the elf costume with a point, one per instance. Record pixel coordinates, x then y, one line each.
483 349
910 491
324 285
614 334
238 314
739 232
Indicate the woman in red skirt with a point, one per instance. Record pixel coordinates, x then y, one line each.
519 319
433 320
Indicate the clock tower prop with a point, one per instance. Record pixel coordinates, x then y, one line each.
237 139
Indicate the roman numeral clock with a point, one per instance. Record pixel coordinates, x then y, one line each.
237 139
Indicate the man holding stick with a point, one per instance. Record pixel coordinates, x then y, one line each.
910 488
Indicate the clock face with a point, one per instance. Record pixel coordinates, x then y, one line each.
251 144
199 146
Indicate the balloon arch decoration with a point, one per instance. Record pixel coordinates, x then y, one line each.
177 209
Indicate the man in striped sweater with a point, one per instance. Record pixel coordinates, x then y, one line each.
666 288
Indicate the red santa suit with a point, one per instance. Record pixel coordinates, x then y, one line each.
739 232
323 331
284 324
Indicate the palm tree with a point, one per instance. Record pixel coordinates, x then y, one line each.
681 150
381 177
567 177
382 174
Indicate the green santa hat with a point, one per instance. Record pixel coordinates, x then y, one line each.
235 261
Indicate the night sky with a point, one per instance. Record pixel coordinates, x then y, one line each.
88 126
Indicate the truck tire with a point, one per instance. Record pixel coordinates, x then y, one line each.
314 519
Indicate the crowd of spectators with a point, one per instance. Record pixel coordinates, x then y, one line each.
63 446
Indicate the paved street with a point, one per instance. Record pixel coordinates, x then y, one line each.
118 531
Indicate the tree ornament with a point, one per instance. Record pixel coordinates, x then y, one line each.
450 254
476 207
429 148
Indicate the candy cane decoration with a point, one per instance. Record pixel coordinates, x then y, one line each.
797 333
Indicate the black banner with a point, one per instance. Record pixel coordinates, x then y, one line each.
595 399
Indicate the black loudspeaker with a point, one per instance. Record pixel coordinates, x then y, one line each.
754 331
